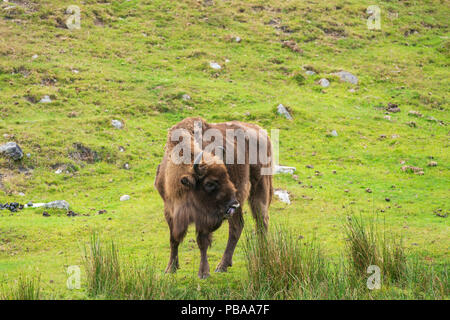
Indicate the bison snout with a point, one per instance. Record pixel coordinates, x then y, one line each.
232 207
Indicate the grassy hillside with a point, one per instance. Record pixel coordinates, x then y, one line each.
134 60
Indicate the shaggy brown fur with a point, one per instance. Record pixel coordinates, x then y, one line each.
204 196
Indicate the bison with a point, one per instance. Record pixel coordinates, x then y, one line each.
213 184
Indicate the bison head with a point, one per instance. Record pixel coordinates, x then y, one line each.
209 187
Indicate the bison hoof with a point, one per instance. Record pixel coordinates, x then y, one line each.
172 268
203 275
223 267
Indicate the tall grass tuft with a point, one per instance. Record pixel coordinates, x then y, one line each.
107 276
24 288
366 245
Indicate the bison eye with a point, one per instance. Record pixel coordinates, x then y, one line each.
210 186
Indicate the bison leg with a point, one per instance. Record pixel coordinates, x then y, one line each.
236 224
259 199
204 241
178 230
173 264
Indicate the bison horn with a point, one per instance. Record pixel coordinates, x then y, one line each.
197 162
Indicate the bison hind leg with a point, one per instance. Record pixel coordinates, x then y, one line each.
259 200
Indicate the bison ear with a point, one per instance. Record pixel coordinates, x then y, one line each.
188 181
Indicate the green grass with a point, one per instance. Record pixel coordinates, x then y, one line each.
136 59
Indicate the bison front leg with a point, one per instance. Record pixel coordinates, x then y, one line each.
173 264
204 241
236 224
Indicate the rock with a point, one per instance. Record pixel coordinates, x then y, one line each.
58 204
215 65
117 124
432 164
45 99
35 56
11 150
70 213
347 77
284 112
415 113
45 214
283 169
125 197
292 45
368 190
237 39
310 73
387 117
412 169
392 108
126 166
334 133
283 195
387 199
21 194
324 82
309 166
186 97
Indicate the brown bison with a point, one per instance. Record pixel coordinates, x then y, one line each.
211 184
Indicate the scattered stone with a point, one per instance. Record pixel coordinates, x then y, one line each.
215 65
310 73
126 166
309 166
13 206
284 169
368 190
295 177
186 97
11 150
334 171
83 153
387 199
117 124
101 212
392 108
347 77
21 194
292 45
334 133
324 82
45 214
411 169
237 39
283 195
35 56
347 190
45 99
439 213
387 117
284 112
415 114
70 213
58 204
125 197
395 136
432 164
121 149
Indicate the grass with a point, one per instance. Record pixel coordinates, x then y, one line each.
278 266
134 60
24 288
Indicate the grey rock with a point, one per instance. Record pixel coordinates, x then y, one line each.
117 124
215 65
283 111
11 150
58 204
284 169
324 82
347 77
310 73
45 99
186 97
125 197
283 195
334 133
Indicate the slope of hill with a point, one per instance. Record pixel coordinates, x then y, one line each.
135 61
